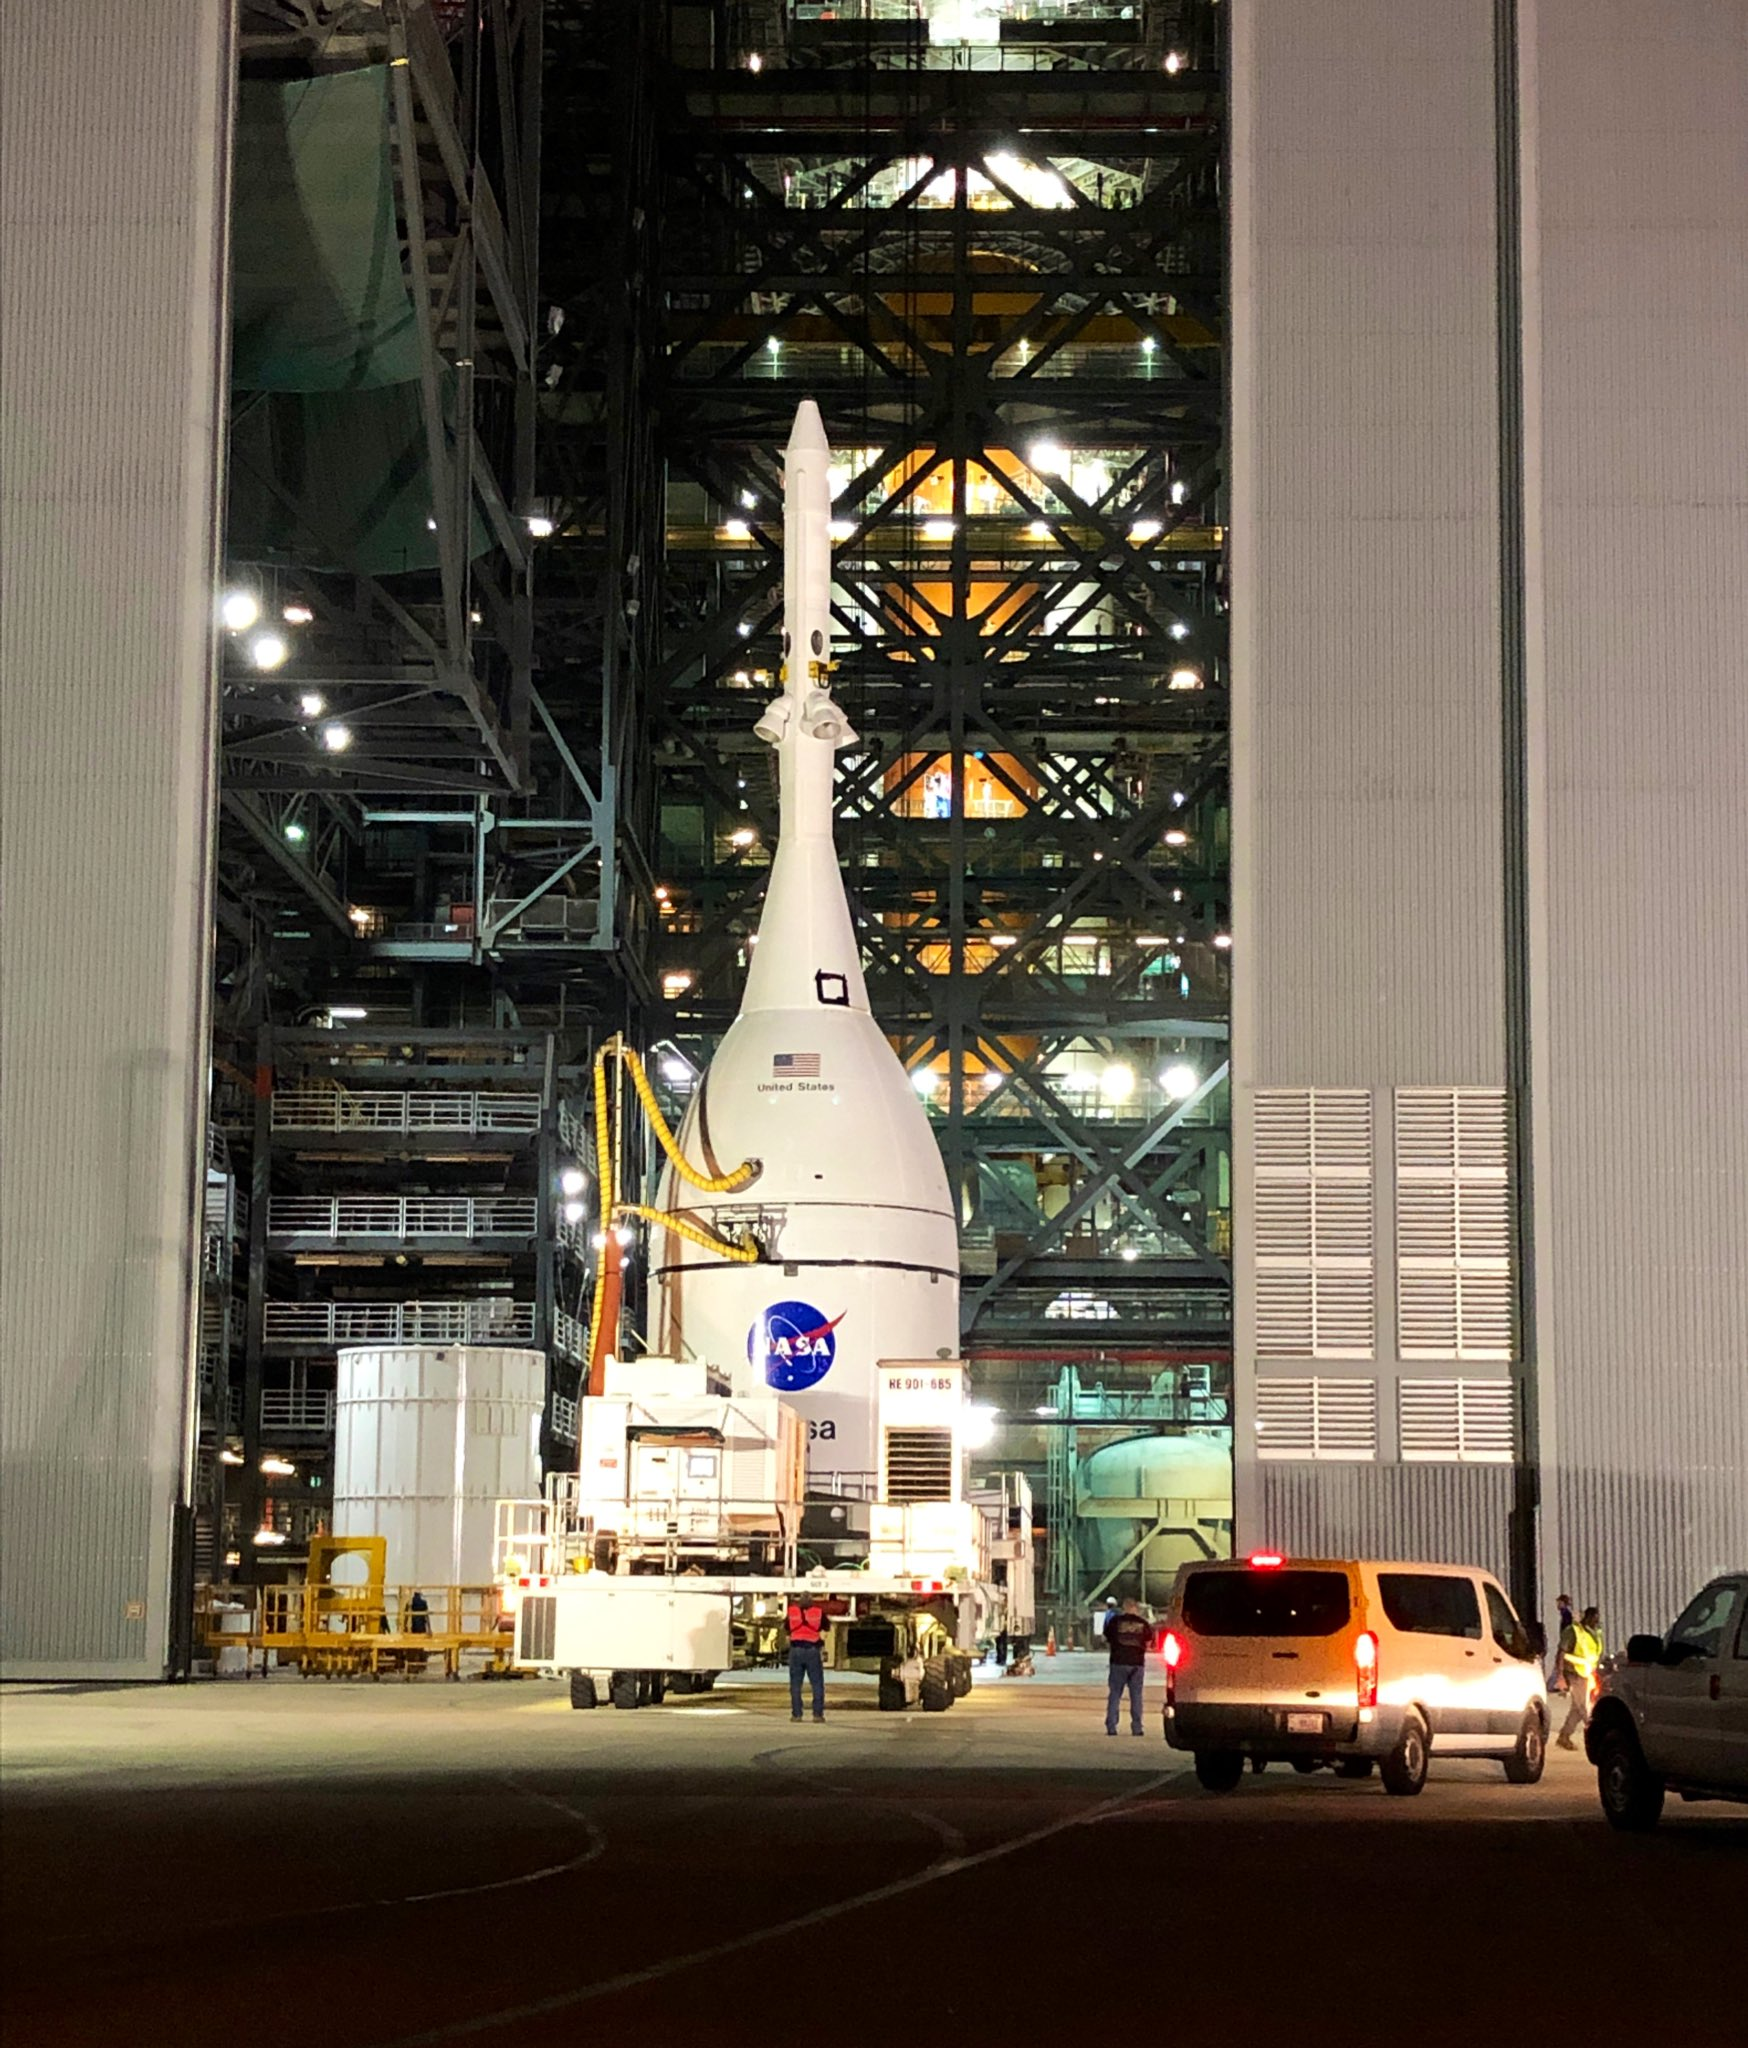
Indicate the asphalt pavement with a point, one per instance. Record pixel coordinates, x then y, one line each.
377 1866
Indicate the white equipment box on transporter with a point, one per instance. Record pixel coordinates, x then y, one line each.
659 1589
673 1469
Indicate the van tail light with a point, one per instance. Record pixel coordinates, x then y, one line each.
1365 1667
1265 1560
1172 1650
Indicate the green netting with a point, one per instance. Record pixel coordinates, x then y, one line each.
328 459
319 300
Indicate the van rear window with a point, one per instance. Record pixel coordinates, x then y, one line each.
1266 1603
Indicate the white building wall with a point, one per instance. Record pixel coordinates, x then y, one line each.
1635 157
1364 539
1447 739
114 127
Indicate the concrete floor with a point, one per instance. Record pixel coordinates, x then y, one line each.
378 1866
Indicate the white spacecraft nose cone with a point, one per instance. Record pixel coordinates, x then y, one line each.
807 436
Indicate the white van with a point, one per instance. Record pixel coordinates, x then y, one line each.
1345 1662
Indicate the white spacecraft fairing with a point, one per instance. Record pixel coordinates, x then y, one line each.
852 1199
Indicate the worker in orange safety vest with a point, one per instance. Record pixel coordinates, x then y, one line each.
806 1653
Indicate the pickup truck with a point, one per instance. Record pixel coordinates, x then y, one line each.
1673 1715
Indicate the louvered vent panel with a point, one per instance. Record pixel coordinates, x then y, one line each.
1286 1418
1283 1129
1328 1420
1472 1422
1454 1293
1315 1224
919 1464
1284 1320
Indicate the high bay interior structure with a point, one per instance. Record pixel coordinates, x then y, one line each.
513 307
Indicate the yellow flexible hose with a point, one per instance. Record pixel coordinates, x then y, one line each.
705 1183
741 1254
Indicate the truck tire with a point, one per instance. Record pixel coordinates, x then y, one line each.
936 1693
704 1681
682 1682
1525 1763
1305 1765
1219 1770
959 1676
583 1693
891 1693
622 1689
1630 1791
1404 1769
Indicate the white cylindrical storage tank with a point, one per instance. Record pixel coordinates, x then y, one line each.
427 1439
1187 1480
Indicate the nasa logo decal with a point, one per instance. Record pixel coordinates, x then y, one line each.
793 1345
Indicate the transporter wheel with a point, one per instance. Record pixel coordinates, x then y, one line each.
683 1682
1404 1769
959 1676
1305 1765
583 1693
622 1689
891 1693
1353 1767
605 1553
1631 1793
704 1681
936 1694
1524 1765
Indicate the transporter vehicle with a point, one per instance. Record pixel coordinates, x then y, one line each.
671 1555
1673 1717
1349 1663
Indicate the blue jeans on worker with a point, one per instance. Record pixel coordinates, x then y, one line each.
807 1660
1125 1678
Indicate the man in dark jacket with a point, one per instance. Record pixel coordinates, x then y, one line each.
1127 1633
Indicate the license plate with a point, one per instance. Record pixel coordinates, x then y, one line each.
1305 1724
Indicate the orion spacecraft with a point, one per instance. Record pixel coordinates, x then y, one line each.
851 1202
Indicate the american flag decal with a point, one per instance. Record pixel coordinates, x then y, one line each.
795 1066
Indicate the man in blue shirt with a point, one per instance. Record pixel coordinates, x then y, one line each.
1127 1634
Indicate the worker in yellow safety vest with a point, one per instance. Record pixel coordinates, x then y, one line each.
1580 1655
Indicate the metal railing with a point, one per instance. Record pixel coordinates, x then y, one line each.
402 1217
564 1418
570 1335
400 1109
326 1324
578 1236
297 1408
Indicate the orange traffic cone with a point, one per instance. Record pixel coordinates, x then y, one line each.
1050 1644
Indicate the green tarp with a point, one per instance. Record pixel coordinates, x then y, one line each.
319 301
324 349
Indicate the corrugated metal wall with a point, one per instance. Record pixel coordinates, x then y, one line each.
1453 1514
1365 534
114 132
1635 132
1375 918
